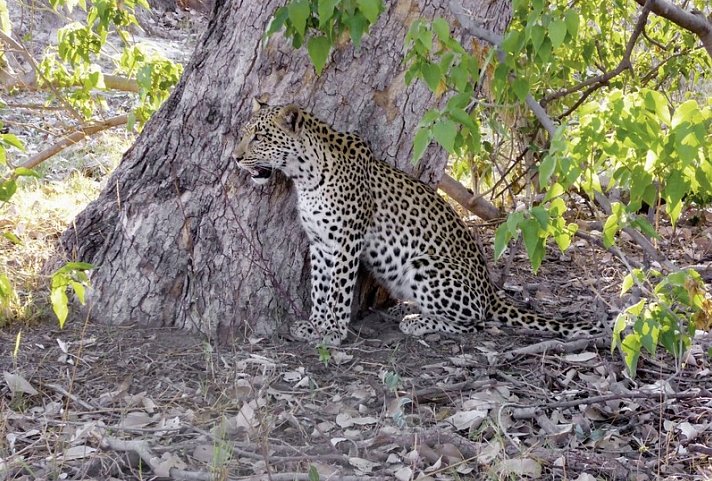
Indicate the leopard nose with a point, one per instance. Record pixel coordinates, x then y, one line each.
237 156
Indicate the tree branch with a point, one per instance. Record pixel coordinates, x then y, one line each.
693 21
71 139
623 65
480 206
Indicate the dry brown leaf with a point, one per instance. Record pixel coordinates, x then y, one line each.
404 474
463 420
526 467
18 384
363 466
78 452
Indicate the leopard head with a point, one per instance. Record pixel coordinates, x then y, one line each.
271 140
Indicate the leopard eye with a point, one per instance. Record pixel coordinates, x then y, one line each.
258 137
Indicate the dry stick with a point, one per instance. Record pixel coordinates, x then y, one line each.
693 21
619 396
71 139
553 345
142 449
59 389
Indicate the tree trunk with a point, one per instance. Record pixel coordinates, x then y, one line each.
180 236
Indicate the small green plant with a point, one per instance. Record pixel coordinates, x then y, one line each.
324 354
313 473
322 24
679 304
71 275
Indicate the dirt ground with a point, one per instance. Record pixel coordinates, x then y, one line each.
129 403
97 402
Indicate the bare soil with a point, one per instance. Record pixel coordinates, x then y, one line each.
130 403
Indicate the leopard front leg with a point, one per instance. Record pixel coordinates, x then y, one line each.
321 265
333 282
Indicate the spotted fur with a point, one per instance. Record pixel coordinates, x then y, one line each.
358 209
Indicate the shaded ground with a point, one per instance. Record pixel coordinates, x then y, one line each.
496 405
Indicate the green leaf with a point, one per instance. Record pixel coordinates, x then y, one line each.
512 41
313 473
357 26
441 29
280 16
554 191
557 32
630 347
78 288
12 238
325 10
501 238
12 140
572 22
627 283
432 75
685 112
298 14
420 143
77 266
371 9
541 215
546 168
676 186
649 332
532 242
445 131
60 303
319 48
464 118
25 172
520 86
610 229
7 189
538 34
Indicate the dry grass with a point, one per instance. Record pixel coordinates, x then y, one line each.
40 211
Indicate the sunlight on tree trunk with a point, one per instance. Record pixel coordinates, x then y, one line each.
180 236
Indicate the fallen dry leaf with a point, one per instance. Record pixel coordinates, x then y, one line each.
18 384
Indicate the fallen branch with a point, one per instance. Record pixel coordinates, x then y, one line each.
71 139
554 346
660 396
153 461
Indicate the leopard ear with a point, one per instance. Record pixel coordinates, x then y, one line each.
258 103
291 119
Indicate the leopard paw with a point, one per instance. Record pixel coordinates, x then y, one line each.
304 331
307 331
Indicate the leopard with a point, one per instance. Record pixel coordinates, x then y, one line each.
359 210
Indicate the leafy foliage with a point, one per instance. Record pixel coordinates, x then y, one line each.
71 275
322 23
73 65
680 305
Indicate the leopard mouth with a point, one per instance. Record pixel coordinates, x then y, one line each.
260 175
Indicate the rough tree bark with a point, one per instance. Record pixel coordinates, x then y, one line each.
180 236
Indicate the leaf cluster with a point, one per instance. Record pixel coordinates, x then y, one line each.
680 305
322 24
